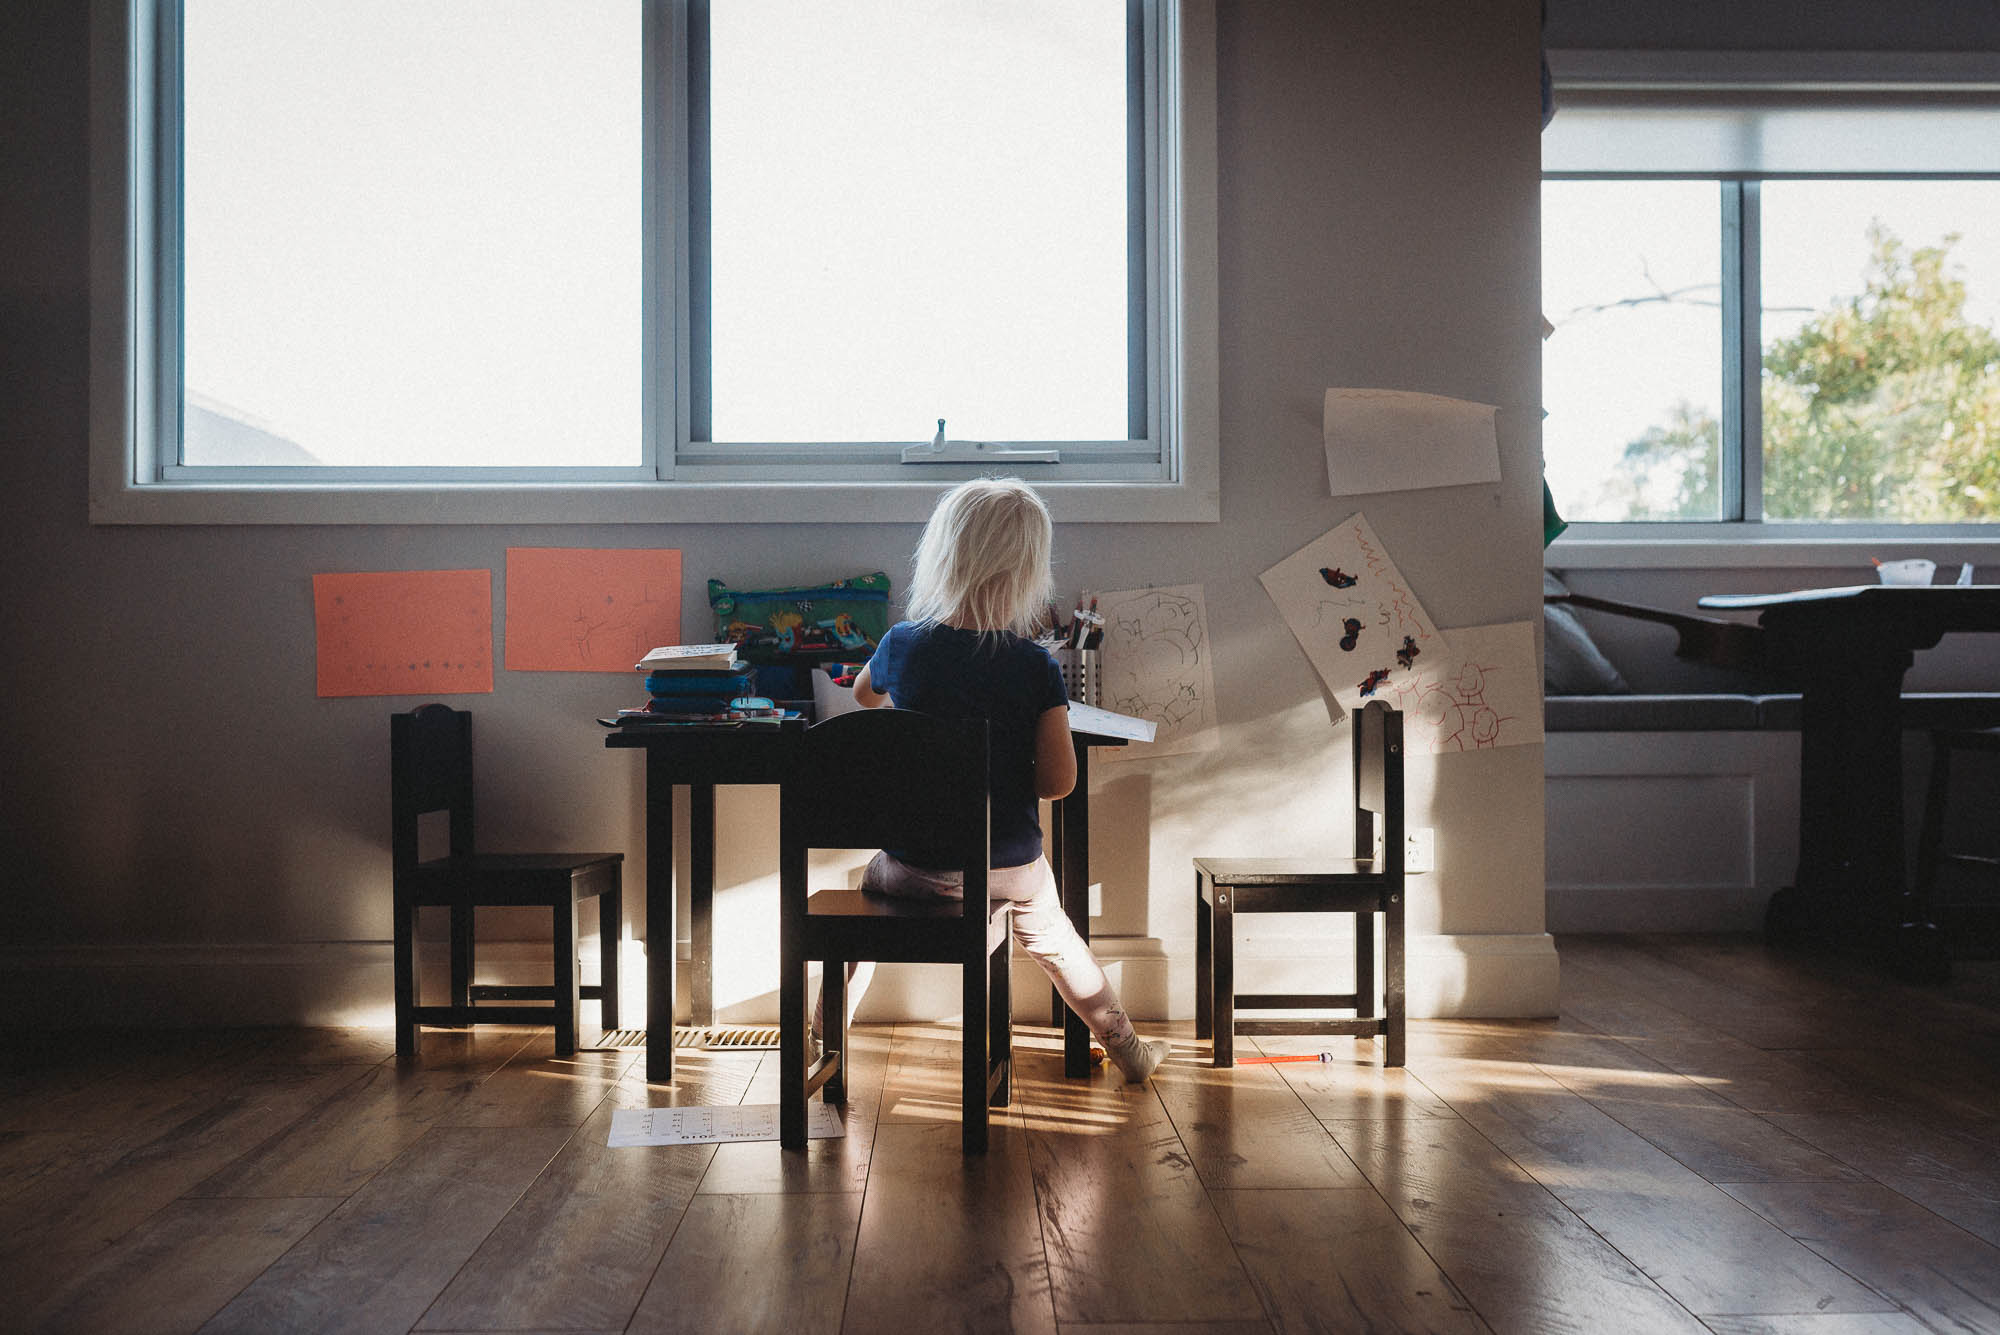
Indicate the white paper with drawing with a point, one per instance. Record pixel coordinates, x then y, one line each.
1156 667
1484 694
1392 440
1353 614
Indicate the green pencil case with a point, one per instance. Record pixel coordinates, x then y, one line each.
844 619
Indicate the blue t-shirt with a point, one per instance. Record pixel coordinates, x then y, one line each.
1006 680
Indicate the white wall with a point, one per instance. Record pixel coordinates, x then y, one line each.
184 825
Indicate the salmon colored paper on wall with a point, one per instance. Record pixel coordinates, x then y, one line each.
582 609
404 632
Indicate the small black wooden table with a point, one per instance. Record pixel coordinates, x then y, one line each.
701 757
1846 651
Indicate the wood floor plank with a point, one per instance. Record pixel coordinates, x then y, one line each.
950 1242
1954 1176
1104 1154
1692 1239
537 1088
1833 1323
1339 1259
837 1164
376 1263
1164 1328
1947 1278
1355 1085
1524 1260
1246 1127
765 1261
583 1241
178 1268
78 1208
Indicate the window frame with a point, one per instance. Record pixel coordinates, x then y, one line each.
1742 537
1173 477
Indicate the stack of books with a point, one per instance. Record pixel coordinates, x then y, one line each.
695 681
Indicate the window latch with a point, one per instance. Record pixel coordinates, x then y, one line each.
941 451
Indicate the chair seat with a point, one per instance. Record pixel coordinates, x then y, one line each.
1287 871
892 929
501 880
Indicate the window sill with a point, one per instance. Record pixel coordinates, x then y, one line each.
626 503
1754 547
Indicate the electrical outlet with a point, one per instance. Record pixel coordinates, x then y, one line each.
1097 899
1420 850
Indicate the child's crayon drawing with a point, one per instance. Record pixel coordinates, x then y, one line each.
1156 666
403 632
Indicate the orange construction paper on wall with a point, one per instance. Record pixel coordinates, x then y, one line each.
404 632
585 609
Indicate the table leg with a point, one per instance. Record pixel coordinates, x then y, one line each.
1075 883
701 903
659 921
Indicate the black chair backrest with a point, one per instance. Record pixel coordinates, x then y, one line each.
430 769
891 778
1378 782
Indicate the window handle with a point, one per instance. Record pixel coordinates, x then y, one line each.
942 451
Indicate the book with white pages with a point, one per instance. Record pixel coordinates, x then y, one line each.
689 658
1104 723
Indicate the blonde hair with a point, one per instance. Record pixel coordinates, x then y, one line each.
983 562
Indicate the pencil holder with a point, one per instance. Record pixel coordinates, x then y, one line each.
1082 674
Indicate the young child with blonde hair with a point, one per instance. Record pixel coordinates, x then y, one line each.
980 576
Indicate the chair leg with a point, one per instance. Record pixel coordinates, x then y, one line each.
1392 932
793 1019
611 937
1000 1019
1931 839
567 1000
406 977
1364 966
833 1030
1222 943
972 1061
1204 962
462 920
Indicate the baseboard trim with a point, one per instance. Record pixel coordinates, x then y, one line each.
351 982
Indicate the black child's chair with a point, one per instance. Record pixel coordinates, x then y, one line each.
1369 886
888 778
430 770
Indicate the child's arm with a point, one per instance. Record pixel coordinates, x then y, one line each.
1055 755
865 693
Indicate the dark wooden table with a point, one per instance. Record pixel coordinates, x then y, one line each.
1846 651
702 758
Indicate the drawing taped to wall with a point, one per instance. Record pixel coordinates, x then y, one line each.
584 609
403 632
1156 666
1348 606
1487 695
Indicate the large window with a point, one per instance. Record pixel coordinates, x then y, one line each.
593 248
1773 316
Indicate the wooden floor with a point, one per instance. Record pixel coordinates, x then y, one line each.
1708 1138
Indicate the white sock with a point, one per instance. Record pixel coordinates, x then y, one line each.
1136 1058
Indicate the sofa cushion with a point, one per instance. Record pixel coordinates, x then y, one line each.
1572 664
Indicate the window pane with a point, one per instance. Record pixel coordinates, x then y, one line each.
413 232
1881 383
1632 376
918 212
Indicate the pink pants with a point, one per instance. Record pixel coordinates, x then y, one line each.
1041 928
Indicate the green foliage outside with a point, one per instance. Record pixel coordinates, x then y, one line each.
1886 407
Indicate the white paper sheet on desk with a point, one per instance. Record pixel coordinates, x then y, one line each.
1362 628
1156 666
1394 440
1485 694
1089 718
728 1124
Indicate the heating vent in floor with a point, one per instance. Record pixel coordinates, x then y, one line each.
614 1040
736 1037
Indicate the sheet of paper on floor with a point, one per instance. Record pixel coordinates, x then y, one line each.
1156 665
1352 612
730 1123
1486 695
1393 440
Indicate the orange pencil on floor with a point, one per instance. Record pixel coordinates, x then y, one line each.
1293 1057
